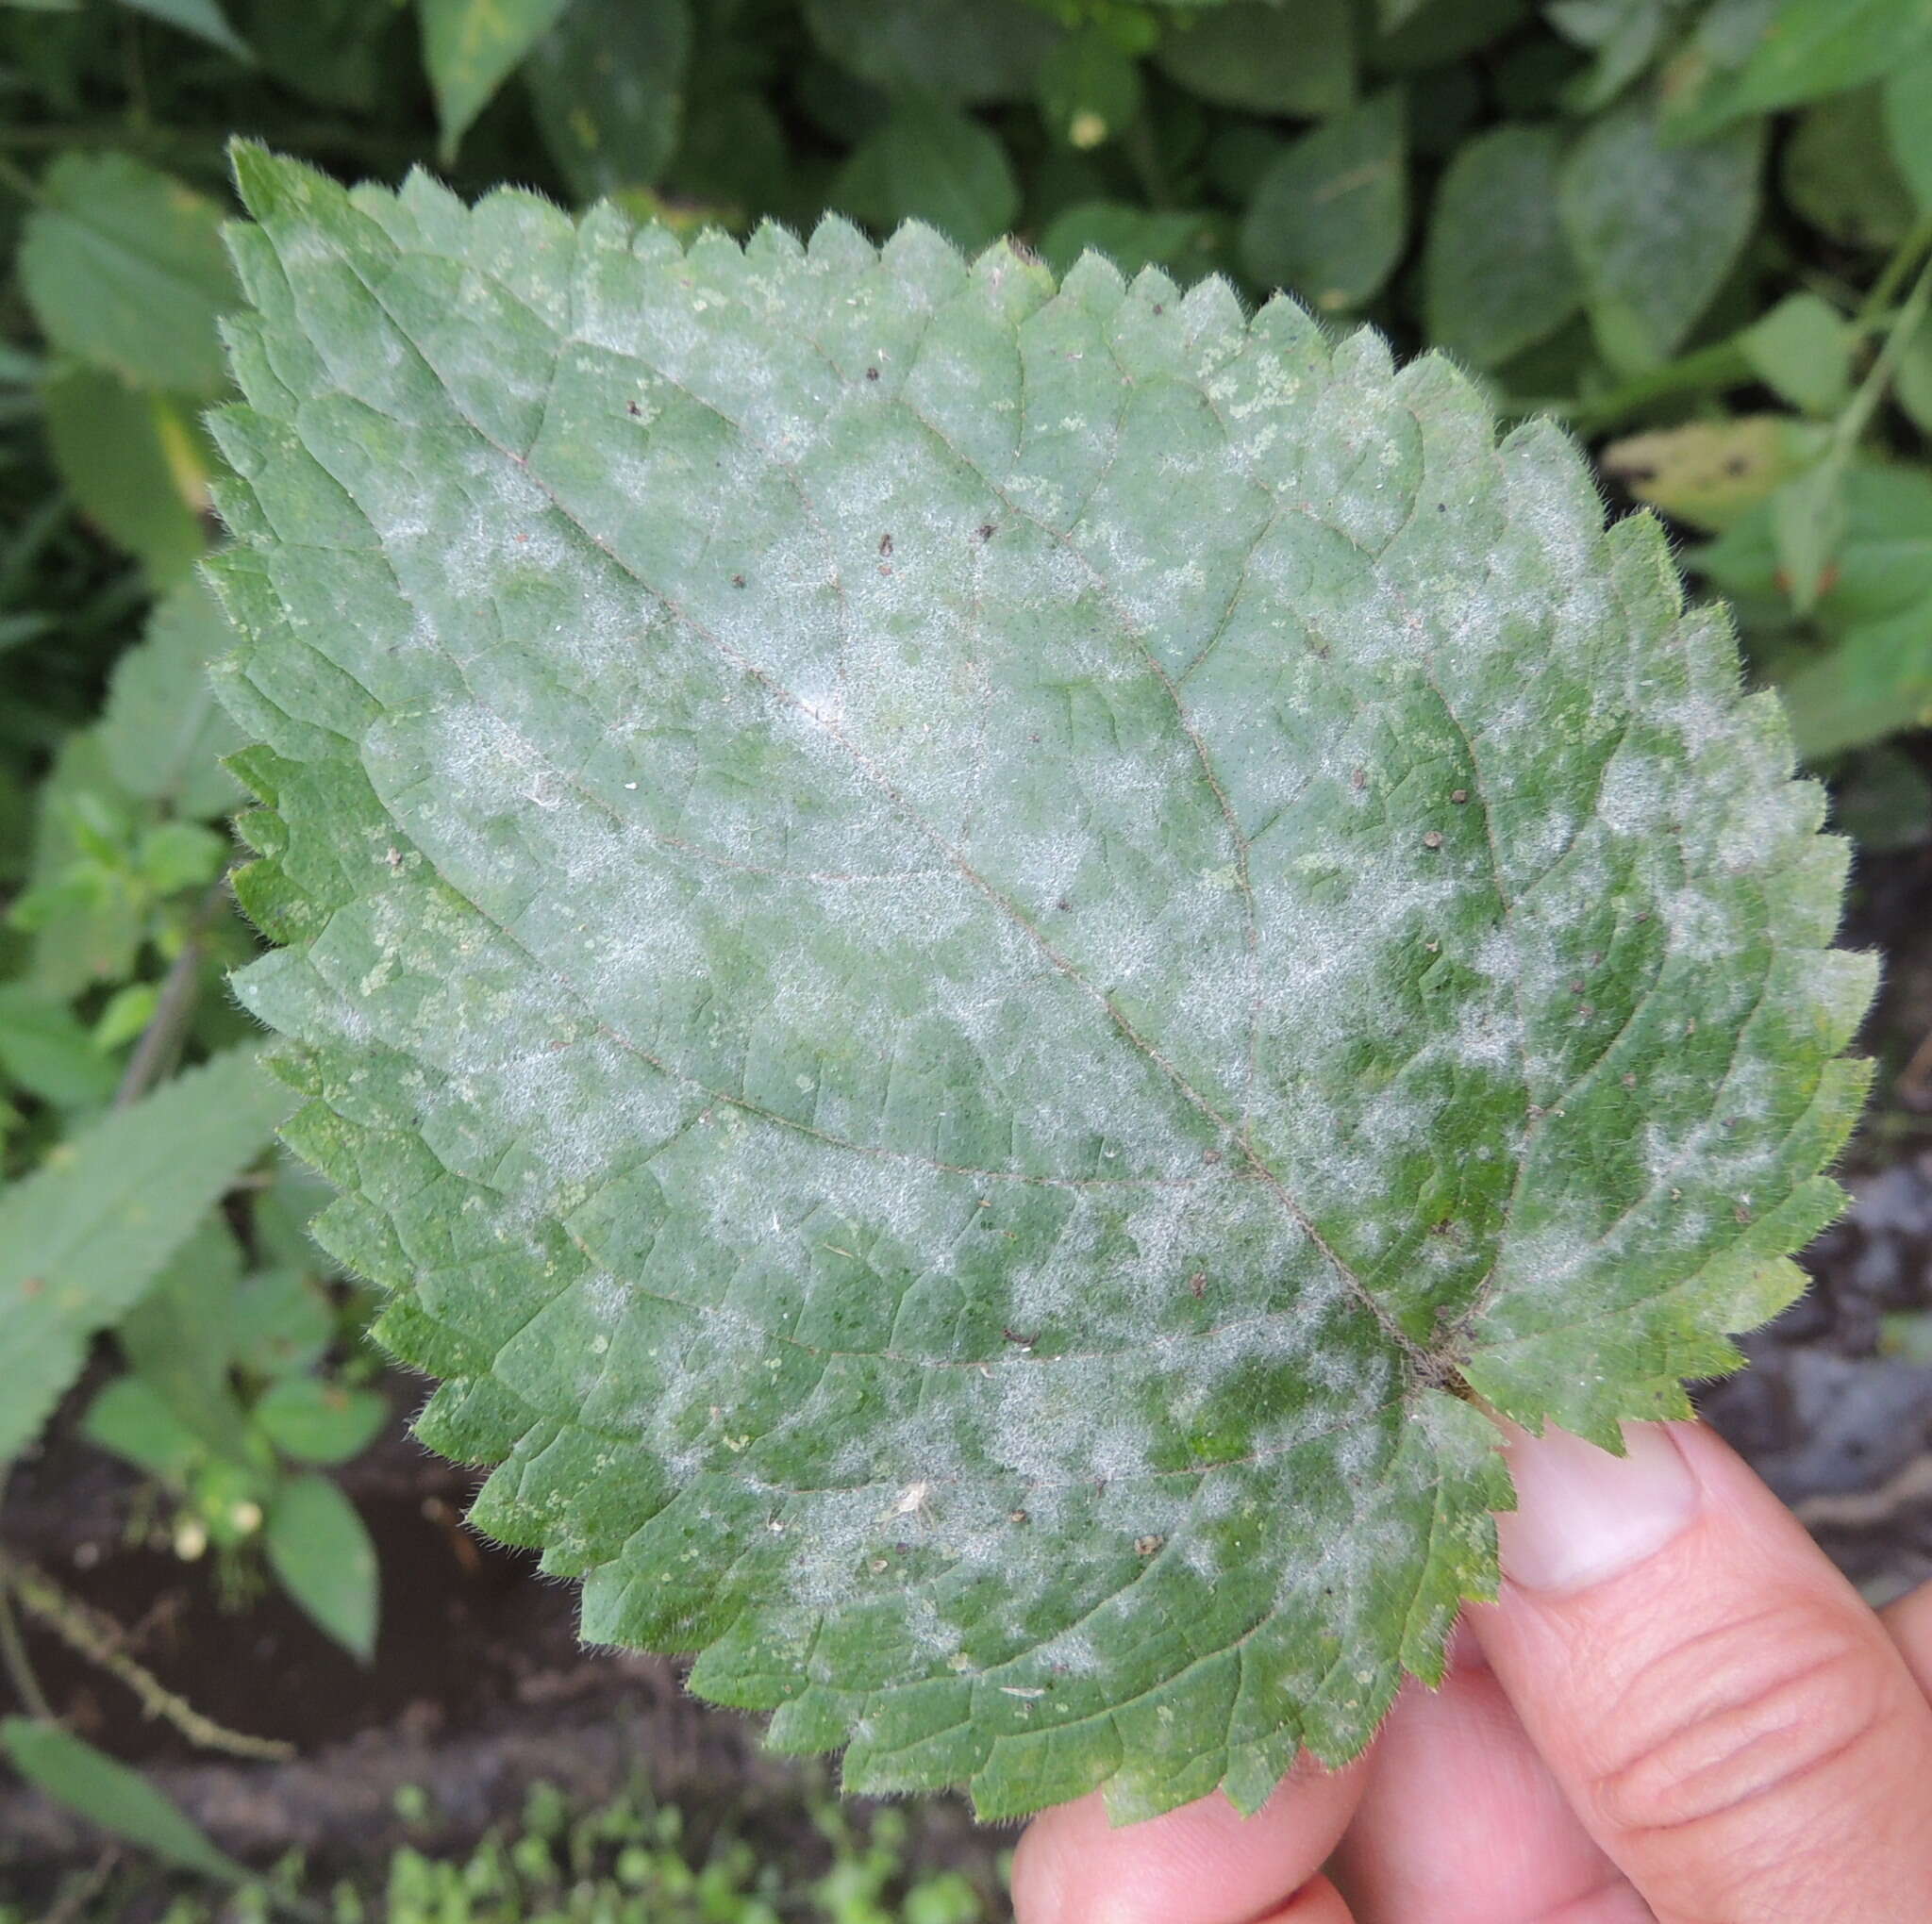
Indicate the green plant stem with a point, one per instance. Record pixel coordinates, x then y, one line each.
98 1639
1708 369
160 1041
1884 291
19 1668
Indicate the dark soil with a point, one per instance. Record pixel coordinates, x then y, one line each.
480 1688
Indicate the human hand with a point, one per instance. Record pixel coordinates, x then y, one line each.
1677 1710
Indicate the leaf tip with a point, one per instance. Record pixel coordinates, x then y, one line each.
271 184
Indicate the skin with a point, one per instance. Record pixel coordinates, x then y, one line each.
1709 1728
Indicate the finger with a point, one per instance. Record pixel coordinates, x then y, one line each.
1203 1863
1317 1902
1731 1723
1462 1823
1908 1622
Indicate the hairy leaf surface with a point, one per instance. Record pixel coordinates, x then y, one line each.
970 951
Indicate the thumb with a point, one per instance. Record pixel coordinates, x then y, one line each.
1731 1723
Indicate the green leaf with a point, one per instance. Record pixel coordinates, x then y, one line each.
1802 349
1264 56
1441 32
471 47
973 52
124 1014
1810 48
201 18
123 269
608 84
1625 36
1911 378
1655 228
47 1052
1497 275
1807 524
1329 217
1884 559
136 464
163 731
355 54
281 1322
1089 90
134 1421
1876 682
1908 108
316 1421
94 940
930 163
121 1801
1838 173
85 1235
320 1551
963 944
1130 237
179 1338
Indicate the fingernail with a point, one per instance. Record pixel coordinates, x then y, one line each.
1583 1515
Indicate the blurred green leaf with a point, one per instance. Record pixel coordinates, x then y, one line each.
1907 106
1130 237
179 1337
163 731
123 269
131 1419
1802 349
127 1013
317 1421
1292 58
1808 523
46 1051
1089 90
1884 560
607 86
1876 681
1911 379
340 52
1837 172
1624 36
96 938
931 164
85 1235
967 51
1806 49
1497 275
137 464
471 47
322 1555
280 1323
172 856
1655 228
201 18
1329 217
1441 32
121 1801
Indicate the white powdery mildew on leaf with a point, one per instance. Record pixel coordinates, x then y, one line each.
971 951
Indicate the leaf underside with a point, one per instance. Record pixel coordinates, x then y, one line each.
969 951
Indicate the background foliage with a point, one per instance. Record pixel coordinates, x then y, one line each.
1695 231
